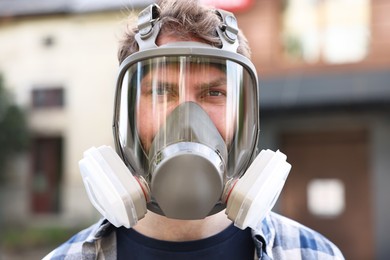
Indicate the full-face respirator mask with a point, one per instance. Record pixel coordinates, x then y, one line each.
186 127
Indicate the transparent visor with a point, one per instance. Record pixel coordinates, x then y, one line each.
152 89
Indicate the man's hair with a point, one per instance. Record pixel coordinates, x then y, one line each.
185 20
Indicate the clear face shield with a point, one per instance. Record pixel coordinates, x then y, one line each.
187 125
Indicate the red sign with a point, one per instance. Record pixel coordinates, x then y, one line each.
229 5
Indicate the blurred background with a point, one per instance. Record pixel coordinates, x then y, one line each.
324 69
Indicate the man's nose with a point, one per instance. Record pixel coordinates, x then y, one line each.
188 97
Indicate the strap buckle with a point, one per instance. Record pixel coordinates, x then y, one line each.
147 19
228 30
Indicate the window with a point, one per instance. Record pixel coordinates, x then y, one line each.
330 31
48 97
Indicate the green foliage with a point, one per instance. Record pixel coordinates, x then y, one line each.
34 237
293 47
13 127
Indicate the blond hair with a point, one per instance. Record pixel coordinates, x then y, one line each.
185 20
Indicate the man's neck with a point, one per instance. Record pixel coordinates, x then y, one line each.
162 228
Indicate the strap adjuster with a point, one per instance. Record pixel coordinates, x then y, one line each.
228 30
146 20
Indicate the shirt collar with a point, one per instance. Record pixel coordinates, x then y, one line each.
102 228
263 237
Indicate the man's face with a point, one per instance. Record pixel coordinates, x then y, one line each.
165 87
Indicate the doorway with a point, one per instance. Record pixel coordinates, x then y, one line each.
329 188
46 174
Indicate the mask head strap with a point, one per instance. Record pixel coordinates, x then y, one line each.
149 27
228 30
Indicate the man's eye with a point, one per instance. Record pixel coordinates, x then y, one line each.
162 89
215 93
166 92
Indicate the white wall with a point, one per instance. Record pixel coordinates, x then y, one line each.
82 59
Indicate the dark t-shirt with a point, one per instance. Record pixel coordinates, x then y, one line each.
232 243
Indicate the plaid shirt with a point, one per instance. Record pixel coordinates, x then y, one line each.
279 238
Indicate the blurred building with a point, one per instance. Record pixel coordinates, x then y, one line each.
324 69
59 60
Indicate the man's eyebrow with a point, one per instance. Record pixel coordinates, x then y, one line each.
166 83
221 81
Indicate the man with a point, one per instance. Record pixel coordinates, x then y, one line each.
186 129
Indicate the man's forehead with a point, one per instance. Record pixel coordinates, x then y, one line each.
177 66
196 73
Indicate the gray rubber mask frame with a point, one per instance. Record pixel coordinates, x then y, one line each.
187 163
152 88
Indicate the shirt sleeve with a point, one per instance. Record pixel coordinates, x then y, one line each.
288 239
87 243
